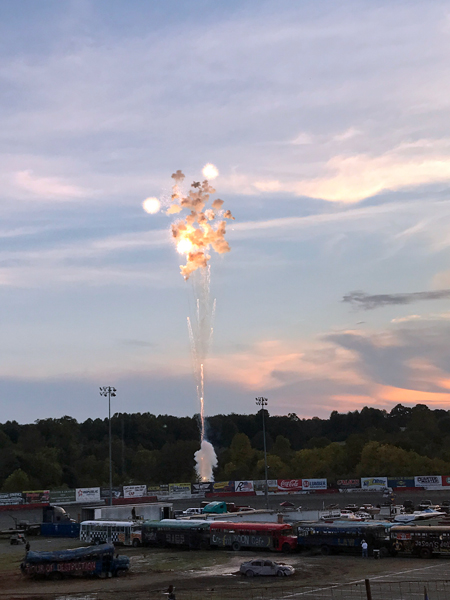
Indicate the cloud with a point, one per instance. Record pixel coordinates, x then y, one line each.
370 302
48 187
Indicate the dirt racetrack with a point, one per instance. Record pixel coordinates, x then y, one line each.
215 575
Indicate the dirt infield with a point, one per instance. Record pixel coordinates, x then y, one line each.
215 575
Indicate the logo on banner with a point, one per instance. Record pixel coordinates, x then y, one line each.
290 485
348 482
89 494
243 486
429 480
201 488
368 482
314 484
134 491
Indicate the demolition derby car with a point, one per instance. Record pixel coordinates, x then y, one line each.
257 567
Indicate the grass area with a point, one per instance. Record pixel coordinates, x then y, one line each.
10 562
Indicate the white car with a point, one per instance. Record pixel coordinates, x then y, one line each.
189 512
259 567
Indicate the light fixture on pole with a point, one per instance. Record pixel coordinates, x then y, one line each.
262 402
109 391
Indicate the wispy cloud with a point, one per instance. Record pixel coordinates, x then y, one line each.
370 302
48 187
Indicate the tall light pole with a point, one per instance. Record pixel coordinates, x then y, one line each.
109 391
262 402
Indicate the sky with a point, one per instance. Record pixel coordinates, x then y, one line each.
328 123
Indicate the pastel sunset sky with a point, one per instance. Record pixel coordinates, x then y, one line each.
329 124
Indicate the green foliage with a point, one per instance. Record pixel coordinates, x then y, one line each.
18 481
58 453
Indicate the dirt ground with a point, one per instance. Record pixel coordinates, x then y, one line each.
196 572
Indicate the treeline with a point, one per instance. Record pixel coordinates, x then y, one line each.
62 453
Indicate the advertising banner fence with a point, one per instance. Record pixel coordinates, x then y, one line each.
180 490
134 491
11 498
289 485
259 485
160 491
348 483
117 492
88 494
374 483
314 484
62 496
223 486
428 481
401 482
201 488
243 486
445 480
36 497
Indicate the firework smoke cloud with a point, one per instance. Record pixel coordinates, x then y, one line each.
204 226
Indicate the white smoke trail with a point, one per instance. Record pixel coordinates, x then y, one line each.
202 228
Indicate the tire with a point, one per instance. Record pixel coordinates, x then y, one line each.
325 550
286 548
236 547
249 573
136 543
384 552
425 553
120 573
280 573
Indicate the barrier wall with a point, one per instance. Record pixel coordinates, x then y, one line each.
142 493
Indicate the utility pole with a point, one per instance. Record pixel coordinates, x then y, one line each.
109 391
262 402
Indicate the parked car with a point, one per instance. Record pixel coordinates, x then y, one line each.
190 512
259 567
425 504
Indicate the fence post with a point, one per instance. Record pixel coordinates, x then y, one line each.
368 590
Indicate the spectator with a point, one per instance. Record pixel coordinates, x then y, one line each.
365 549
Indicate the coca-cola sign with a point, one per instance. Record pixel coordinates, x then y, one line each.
289 485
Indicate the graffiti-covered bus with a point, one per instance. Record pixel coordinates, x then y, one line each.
271 536
192 533
420 540
127 533
343 537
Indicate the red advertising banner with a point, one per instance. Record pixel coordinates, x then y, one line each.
289 485
445 480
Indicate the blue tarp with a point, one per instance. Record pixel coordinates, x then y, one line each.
67 555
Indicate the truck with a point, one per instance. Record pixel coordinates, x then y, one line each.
88 561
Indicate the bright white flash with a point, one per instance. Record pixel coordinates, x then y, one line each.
151 205
210 171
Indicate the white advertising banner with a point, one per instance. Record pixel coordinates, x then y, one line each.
134 491
243 486
88 494
374 483
428 481
314 484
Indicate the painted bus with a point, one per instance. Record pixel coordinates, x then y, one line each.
343 537
193 534
278 537
95 560
424 541
127 533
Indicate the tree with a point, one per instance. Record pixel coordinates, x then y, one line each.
18 481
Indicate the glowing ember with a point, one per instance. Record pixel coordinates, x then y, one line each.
210 171
184 246
151 205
